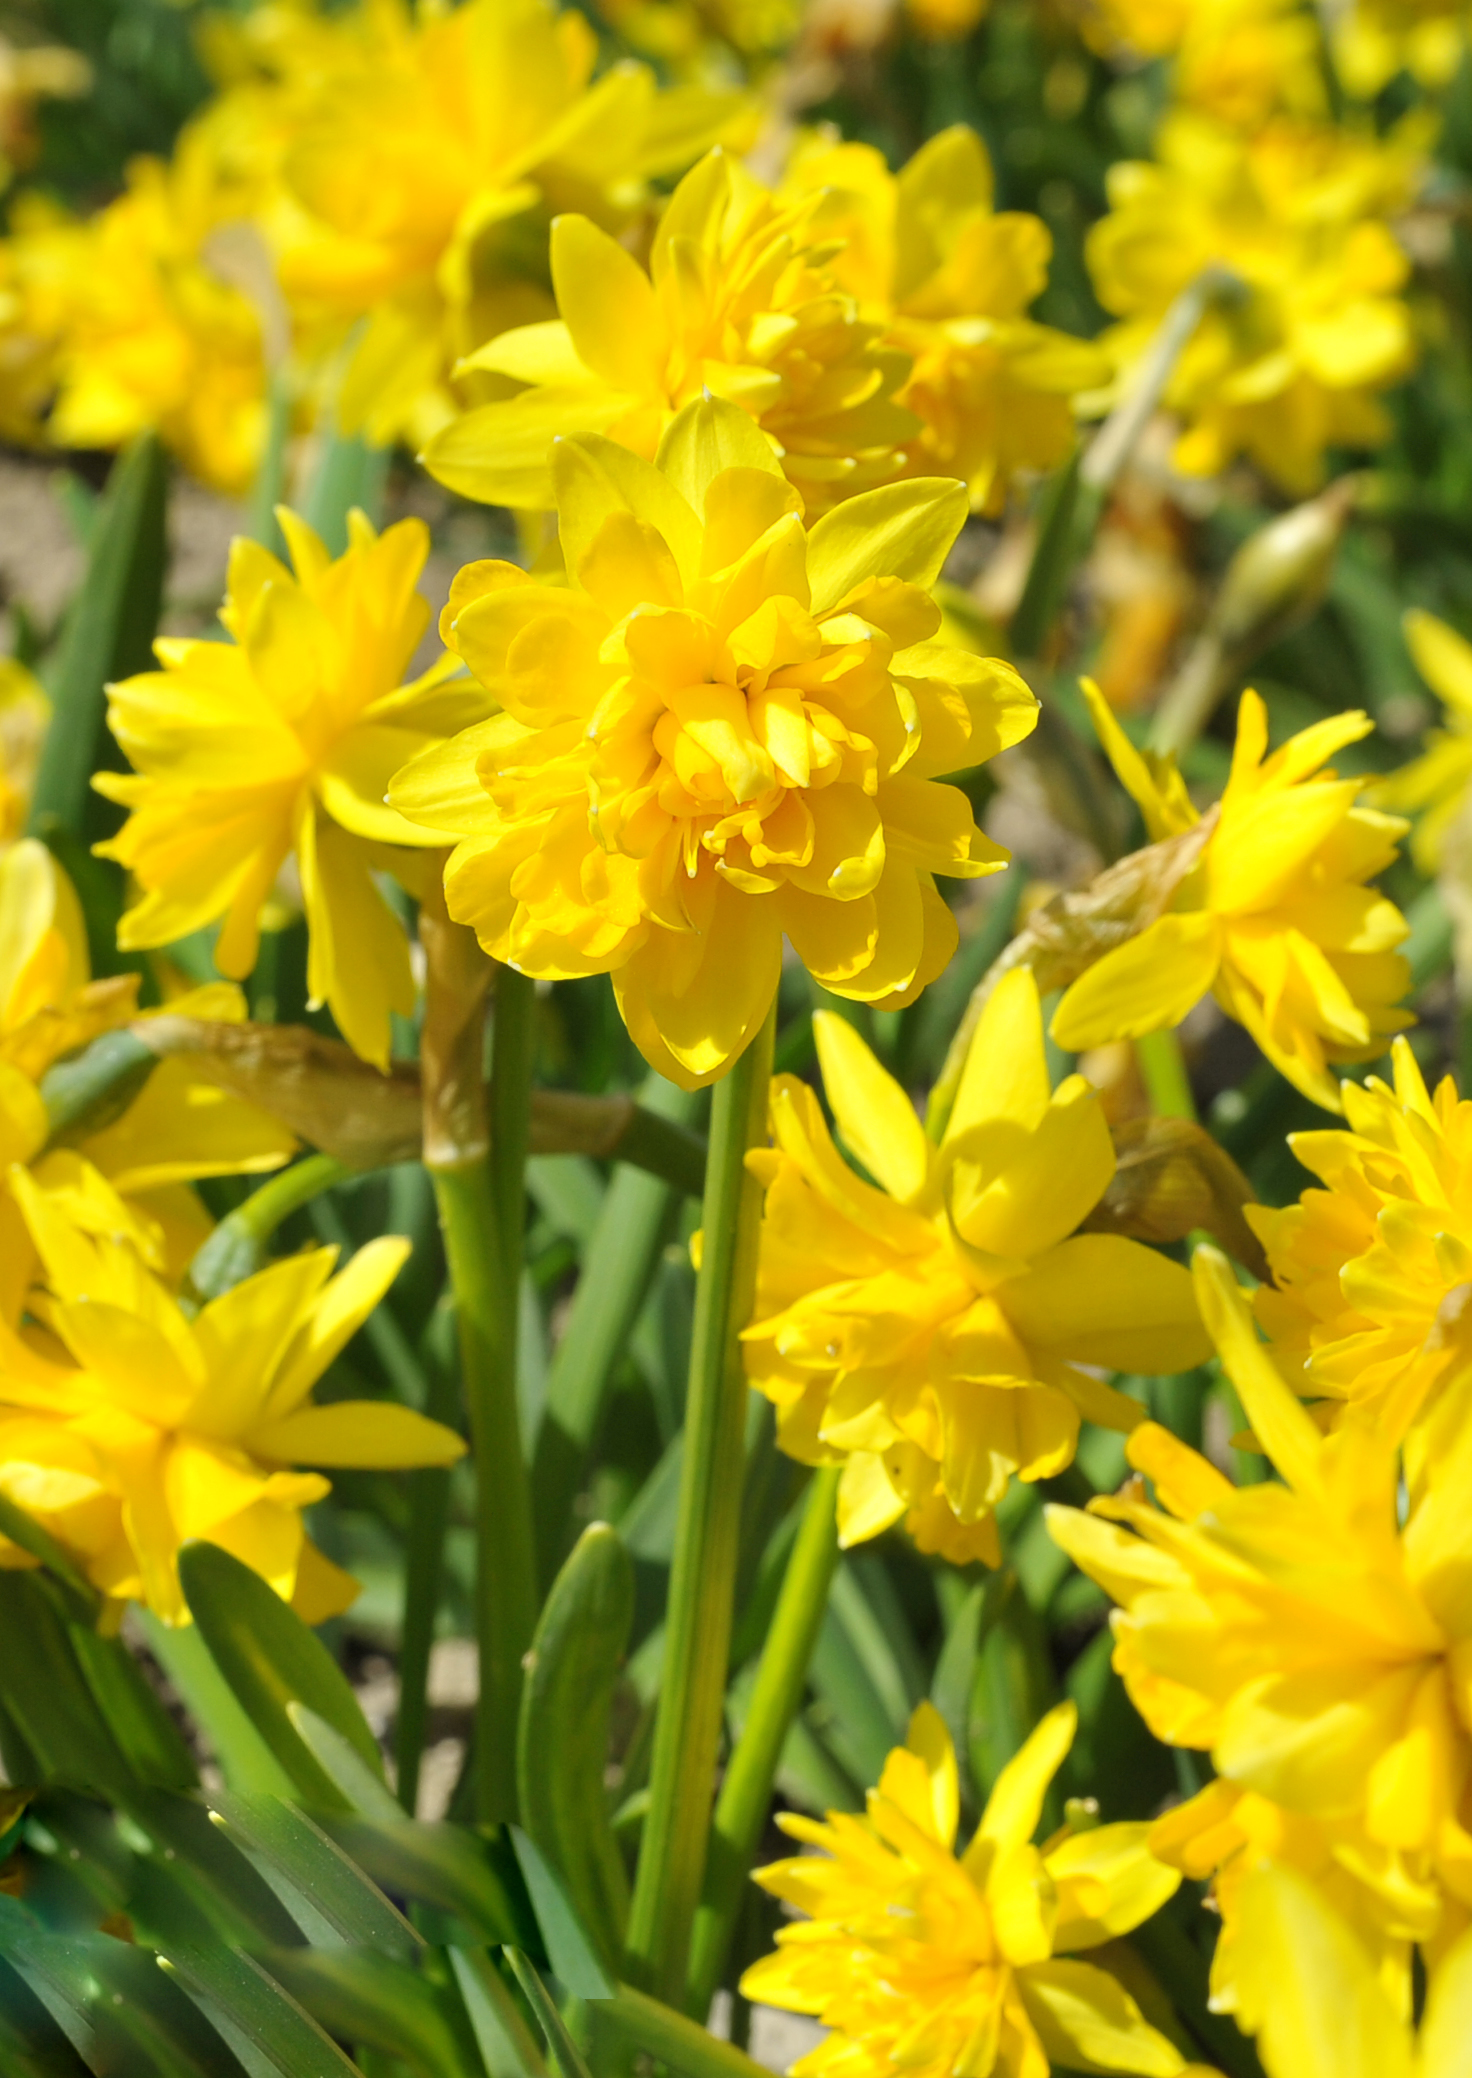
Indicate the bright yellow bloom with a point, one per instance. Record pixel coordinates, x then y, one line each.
143 332
1297 211
1237 60
1361 1267
1315 1635
422 161
174 1130
1276 920
1435 786
1310 1994
726 730
24 713
281 741
1373 40
927 1334
162 1429
739 302
937 1965
950 281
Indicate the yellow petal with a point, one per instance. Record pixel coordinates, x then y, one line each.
1278 1418
1102 1299
1309 1990
612 314
875 1117
904 530
1016 1802
1041 1193
1005 1079
1443 658
364 1435
1108 1882
335 1319
1086 2018
1145 985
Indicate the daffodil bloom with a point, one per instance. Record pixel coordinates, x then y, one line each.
925 1961
738 302
423 155
950 281
1362 1266
724 730
1311 1996
1297 211
174 1130
1434 787
142 329
1373 40
161 1429
24 714
1312 1633
282 741
1238 60
926 1330
1276 920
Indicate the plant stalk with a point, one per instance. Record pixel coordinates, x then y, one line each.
703 1573
746 1788
1163 1070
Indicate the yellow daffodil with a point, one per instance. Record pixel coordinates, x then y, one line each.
739 302
173 1131
1312 1633
144 330
924 1961
421 164
283 741
927 1334
1361 1267
1311 1995
726 729
1373 40
1238 60
24 714
950 280
1297 211
161 1429
1434 787
1276 919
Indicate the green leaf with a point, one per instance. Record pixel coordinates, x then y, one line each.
150 1740
439 1864
24 1530
245 1760
502 2036
571 1953
109 629
349 472
31 2044
270 1659
299 1861
560 2045
377 2003
45 1694
634 2021
235 1993
562 1747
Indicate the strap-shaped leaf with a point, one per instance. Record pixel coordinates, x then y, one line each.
570 1951
149 1738
506 2044
43 1691
238 1996
562 1748
374 2002
564 2052
306 1869
270 1659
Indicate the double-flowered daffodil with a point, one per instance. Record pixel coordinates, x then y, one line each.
1276 920
940 1965
174 1130
1297 211
739 302
926 1330
950 279
127 1429
1313 1633
725 730
1362 1266
284 740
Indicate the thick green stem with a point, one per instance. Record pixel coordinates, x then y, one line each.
424 1565
237 1247
1163 1069
746 1789
512 1049
703 1572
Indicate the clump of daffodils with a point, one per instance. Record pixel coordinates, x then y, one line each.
1277 919
939 1330
1310 1634
726 729
1294 362
135 1429
283 741
921 1959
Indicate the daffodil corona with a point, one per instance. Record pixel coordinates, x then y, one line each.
924 1961
281 741
927 1333
725 730
1276 919
158 1429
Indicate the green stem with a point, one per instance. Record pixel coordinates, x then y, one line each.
505 1576
513 1044
237 1247
424 1559
703 1571
1163 1068
746 1789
